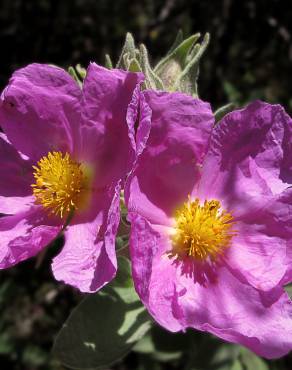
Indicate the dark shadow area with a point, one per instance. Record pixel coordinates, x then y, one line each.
249 56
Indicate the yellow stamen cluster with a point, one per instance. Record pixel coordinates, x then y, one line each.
60 184
201 231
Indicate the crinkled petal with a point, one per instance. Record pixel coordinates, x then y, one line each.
257 257
262 249
139 112
213 300
144 247
88 260
40 111
24 235
249 159
107 133
169 167
13 205
15 180
237 313
248 168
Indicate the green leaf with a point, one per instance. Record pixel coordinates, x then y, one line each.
187 80
288 289
167 356
108 62
131 64
237 365
72 72
145 345
179 54
224 356
152 81
81 71
170 67
250 361
134 66
104 326
163 345
121 242
179 70
123 281
209 352
78 73
178 40
128 48
221 112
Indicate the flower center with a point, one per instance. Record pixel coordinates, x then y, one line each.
60 183
201 231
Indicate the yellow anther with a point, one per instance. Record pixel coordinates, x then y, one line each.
201 231
60 183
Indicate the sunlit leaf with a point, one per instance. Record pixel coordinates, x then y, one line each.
104 326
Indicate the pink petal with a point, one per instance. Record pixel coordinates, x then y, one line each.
40 111
145 245
139 112
248 160
236 312
13 205
16 178
24 235
88 260
169 167
248 168
256 257
106 130
209 299
262 250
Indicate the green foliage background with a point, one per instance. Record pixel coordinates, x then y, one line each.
249 57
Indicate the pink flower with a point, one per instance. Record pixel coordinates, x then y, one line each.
211 236
65 152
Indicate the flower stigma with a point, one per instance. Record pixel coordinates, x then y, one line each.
61 185
201 232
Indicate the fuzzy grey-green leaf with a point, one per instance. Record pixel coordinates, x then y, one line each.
134 66
187 80
104 326
178 40
152 81
128 48
179 54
